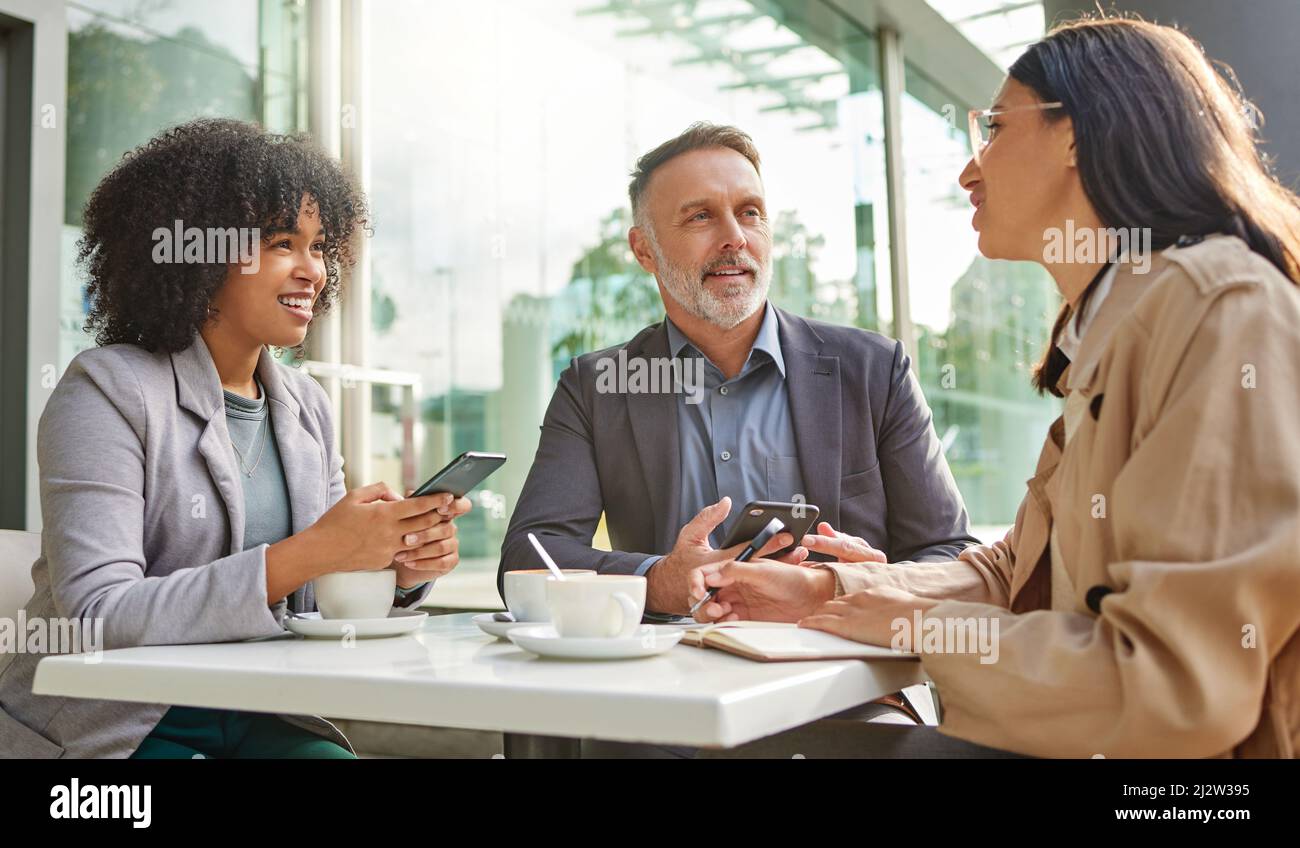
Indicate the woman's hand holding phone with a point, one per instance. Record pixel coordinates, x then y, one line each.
433 552
369 526
366 531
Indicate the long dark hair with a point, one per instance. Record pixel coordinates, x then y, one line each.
1162 142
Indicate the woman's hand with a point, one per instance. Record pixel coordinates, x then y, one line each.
369 526
760 590
842 546
364 531
868 616
431 553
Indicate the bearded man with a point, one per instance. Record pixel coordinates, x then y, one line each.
762 405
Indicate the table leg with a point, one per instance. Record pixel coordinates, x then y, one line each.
527 746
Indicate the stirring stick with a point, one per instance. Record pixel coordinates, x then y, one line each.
546 558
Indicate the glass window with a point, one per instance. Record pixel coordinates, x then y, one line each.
502 139
136 68
1000 28
980 324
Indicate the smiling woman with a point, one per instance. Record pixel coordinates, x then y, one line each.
191 486
210 175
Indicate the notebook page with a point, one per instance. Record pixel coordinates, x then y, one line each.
794 642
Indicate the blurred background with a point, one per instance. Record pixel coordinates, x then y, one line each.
495 138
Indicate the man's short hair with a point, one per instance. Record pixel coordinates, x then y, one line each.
698 136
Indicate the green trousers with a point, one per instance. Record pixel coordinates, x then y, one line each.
191 733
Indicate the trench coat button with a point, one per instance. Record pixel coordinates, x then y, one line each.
1094 596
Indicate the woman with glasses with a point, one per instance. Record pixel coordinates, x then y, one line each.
1145 601
191 487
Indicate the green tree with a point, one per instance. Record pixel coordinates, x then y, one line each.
122 91
609 291
975 375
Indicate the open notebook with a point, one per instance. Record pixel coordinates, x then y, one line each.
770 641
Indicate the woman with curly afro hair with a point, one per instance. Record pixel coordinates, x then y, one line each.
191 488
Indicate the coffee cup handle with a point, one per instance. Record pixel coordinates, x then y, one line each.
631 616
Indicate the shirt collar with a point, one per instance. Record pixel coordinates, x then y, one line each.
246 404
768 340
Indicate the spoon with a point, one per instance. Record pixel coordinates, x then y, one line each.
546 558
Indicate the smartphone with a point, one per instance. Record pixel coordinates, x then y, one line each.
462 474
798 519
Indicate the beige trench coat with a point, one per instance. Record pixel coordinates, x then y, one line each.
1180 493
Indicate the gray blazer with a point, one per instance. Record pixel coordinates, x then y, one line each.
867 451
143 522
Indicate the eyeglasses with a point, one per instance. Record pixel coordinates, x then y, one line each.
981 133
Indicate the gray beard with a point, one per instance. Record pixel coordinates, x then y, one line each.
725 308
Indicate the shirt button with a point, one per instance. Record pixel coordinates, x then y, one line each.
726 455
722 390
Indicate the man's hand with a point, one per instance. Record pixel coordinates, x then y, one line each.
668 581
760 590
868 616
842 546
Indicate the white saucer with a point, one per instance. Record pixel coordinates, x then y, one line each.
542 639
398 622
499 629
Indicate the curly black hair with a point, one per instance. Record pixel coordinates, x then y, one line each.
211 172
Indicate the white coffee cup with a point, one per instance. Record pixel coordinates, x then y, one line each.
355 594
525 592
596 606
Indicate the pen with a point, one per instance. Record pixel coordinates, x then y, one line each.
755 545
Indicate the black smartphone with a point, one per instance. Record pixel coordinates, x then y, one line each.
798 519
462 474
